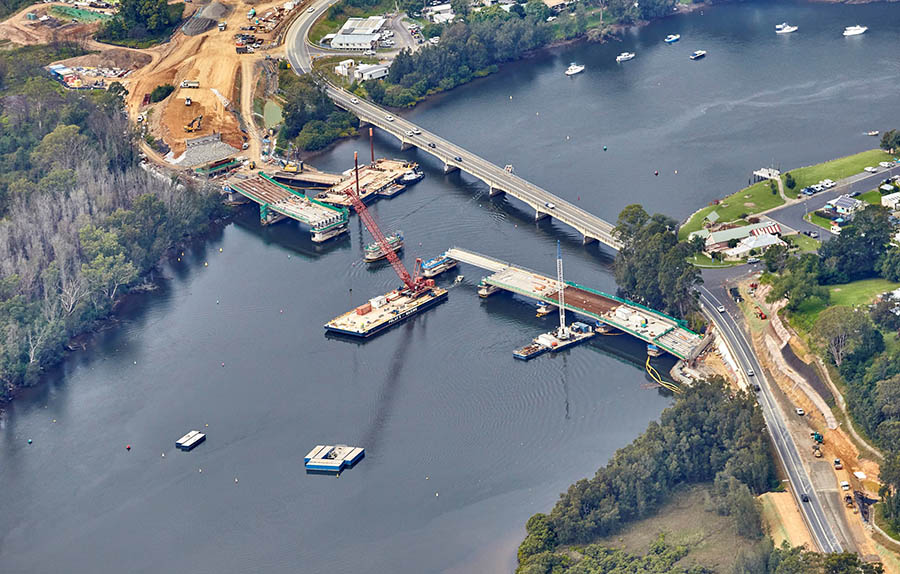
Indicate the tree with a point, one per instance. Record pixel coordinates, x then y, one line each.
775 258
856 252
840 328
890 141
789 181
884 316
889 265
161 92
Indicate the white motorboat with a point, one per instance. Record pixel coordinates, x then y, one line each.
574 69
625 56
784 28
672 38
698 54
855 30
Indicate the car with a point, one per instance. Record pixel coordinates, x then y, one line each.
369 53
431 145
550 205
870 169
409 133
804 497
845 485
814 234
837 464
311 9
720 308
757 388
354 101
750 372
800 412
417 131
855 193
752 260
457 158
817 187
886 164
828 183
389 118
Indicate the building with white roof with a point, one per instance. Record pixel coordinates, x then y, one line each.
358 34
366 72
759 242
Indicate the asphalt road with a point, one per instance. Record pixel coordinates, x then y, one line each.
792 215
788 454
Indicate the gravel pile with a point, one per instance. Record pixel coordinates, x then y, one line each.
206 18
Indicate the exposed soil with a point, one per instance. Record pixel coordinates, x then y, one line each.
19 30
783 520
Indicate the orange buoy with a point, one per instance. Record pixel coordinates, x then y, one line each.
127 447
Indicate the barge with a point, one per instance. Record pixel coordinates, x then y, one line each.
485 289
385 311
436 266
335 458
555 341
190 440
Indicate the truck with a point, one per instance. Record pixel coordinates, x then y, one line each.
251 13
190 84
222 25
242 49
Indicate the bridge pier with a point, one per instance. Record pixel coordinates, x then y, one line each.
492 191
405 145
539 215
449 168
586 240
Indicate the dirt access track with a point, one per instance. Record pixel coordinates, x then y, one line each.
19 30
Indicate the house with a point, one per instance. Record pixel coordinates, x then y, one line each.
366 72
886 188
891 200
759 242
718 240
845 205
439 14
344 68
558 5
358 34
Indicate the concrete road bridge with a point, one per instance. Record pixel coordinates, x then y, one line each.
667 333
300 54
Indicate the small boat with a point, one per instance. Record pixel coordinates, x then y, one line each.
784 28
698 54
436 266
872 133
653 350
485 290
459 279
625 56
374 252
855 30
543 309
411 177
672 38
574 69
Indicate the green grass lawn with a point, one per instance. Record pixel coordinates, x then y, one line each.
341 11
873 197
818 220
754 199
70 13
856 293
835 169
703 260
804 243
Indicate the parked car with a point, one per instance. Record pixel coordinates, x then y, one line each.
845 485
886 164
837 464
870 169
814 234
800 412
752 260
855 193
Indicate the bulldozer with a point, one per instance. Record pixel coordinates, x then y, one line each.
194 125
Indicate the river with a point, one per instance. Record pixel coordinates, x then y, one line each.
463 443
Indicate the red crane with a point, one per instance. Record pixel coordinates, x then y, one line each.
414 283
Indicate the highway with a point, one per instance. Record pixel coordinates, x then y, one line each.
300 54
812 511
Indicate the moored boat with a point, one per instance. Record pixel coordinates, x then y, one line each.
373 250
574 69
411 177
855 30
698 54
625 56
672 38
438 265
653 350
543 309
872 133
784 28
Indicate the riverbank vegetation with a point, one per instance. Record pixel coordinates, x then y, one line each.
141 23
652 266
82 222
709 435
739 205
311 121
830 298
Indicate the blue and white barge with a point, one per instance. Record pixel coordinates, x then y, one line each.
333 458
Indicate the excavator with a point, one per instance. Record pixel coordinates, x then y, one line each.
194 125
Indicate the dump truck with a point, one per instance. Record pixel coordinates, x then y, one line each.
194 125
190 84
222 25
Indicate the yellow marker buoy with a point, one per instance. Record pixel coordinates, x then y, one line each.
220 250
206 263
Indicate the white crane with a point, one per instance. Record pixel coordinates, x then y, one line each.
563 332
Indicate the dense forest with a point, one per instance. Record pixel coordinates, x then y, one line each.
852 339
476 42
82 222
708 435
652 266
140 23
311 120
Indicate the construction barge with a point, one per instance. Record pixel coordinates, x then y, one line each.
385 311
555 341
190 440
328 458
381 178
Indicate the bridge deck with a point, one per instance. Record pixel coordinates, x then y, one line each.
667 333
288 203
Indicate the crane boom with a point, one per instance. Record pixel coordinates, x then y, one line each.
414 284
